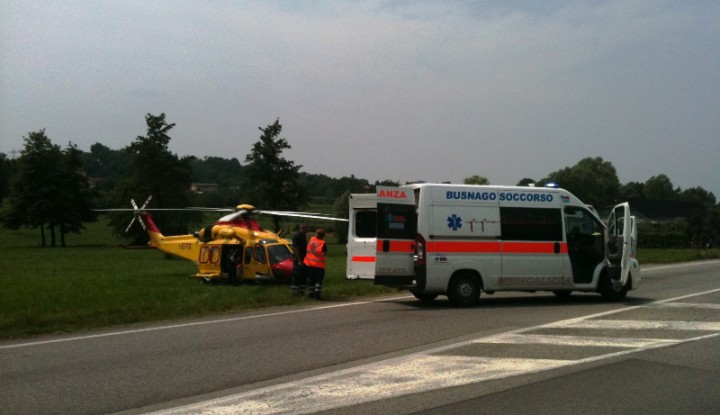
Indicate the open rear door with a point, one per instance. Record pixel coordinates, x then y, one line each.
362 236
619 244
396 232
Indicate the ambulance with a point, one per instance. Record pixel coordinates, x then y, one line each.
461 240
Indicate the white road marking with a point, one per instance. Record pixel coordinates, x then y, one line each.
641 324
575 340
372 382
686 264
429 370
698 306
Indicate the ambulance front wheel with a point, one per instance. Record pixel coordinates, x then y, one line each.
609 291
464 290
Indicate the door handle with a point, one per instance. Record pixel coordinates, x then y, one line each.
557 247
386 245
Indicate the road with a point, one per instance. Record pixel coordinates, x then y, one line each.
659 351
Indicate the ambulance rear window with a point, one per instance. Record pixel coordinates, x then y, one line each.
365 226
396 221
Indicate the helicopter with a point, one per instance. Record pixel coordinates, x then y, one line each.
236 248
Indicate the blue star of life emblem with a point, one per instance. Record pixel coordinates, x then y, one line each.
454 222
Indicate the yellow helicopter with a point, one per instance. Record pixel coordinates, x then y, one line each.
235 248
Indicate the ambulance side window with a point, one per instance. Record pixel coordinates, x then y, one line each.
365 226
580 223
531 224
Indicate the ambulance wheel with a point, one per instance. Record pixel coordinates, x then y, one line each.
464 290
425 298
609 291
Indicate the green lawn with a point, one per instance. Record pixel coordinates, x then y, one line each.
94 282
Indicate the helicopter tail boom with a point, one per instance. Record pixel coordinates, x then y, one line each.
152 230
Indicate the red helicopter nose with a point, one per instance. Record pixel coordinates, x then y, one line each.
283 269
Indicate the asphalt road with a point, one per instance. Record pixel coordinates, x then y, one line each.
658 352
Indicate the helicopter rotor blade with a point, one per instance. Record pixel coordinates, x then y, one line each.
230 217
144 204
320 216
130 225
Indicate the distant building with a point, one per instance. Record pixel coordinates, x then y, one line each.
201 188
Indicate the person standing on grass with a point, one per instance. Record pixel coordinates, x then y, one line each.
315 262
299 276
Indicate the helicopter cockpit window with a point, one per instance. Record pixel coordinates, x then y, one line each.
279 253
259 254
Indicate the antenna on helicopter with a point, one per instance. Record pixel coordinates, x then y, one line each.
136 213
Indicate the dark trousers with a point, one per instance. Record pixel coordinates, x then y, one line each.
316 277
299 279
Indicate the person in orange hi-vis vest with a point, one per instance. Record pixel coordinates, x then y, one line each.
315 262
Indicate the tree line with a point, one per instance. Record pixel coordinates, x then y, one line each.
56 190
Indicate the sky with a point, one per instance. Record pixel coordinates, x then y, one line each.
398 90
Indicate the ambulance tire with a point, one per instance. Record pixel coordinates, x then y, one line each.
464 290
609 292
562 293
425 298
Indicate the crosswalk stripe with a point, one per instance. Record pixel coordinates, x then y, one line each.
558 340
706 306
641 324
440 368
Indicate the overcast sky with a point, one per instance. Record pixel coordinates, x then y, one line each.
401 90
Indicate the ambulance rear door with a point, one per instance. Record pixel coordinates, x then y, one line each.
619 243
396 232
362 236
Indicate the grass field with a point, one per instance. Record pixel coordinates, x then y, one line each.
94 282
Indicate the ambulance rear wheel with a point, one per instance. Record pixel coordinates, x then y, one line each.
425 298
464 290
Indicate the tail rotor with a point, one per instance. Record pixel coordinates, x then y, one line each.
136 213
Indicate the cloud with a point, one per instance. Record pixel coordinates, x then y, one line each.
379 89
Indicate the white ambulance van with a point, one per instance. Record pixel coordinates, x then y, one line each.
460 240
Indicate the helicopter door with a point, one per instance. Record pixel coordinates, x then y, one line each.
260 261
396 222
619 243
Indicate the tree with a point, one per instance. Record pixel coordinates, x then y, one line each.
593 180
155 171
4 176
476 180
105 165
703 225
33 189
660 188
76 205
341 209
273 179
50 190
632 190
526 182
387 182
